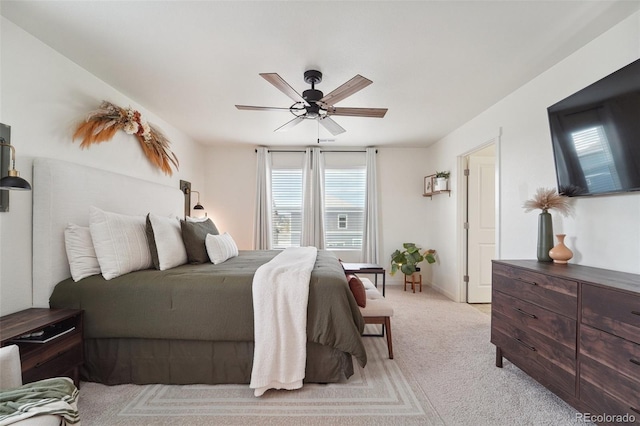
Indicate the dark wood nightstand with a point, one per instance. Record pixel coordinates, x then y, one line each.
59 352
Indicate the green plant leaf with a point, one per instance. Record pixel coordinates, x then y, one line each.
408 269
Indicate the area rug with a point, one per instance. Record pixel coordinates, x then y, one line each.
381 393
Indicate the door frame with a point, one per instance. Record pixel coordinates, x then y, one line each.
462 205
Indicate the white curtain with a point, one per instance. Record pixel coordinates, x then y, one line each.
313 199
370 232
262 220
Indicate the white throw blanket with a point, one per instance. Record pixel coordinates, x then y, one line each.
280 297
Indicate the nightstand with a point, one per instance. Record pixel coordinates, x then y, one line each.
54 347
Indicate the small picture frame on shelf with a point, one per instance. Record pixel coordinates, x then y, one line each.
428 185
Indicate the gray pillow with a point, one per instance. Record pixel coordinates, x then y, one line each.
194 235
152 244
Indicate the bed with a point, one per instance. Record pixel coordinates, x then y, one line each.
188 324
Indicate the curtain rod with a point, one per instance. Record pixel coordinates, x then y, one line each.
322 150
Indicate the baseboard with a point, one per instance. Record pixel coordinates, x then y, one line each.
442 291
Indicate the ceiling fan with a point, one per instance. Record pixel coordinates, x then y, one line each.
314 105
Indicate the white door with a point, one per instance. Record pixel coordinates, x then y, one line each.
481 219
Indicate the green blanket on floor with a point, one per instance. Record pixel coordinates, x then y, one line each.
57 396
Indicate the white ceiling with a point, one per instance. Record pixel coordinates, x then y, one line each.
434 64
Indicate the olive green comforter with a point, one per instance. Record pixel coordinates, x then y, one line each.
207 303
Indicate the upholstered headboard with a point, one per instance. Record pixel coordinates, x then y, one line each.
63 193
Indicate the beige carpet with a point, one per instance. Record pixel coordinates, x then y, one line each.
443 373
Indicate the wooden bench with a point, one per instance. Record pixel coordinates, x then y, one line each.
377 311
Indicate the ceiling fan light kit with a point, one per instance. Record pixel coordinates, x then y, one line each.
315 105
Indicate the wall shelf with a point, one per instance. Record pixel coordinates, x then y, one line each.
429 183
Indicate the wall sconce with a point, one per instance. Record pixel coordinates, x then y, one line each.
13 181
186 189
198 206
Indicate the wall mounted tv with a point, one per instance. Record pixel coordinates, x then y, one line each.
596 136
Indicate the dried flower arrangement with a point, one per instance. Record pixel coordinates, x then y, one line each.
547 199
102 124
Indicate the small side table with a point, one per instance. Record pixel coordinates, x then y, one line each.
367 268
59 352
414 279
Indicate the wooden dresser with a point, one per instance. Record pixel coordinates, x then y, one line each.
575 329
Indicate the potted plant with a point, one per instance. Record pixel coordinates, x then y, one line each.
408 259
441 181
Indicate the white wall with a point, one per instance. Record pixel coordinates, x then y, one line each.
404 212
43 96
405 215
605 231
230 191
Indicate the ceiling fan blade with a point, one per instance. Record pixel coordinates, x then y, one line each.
290 124
257 108
358 112
347 89
333 127
283 86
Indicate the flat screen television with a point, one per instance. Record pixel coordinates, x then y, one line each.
596 136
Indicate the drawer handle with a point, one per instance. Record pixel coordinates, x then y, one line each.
525 313
527 282
634 361
531 348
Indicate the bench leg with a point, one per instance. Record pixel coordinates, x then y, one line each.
387 324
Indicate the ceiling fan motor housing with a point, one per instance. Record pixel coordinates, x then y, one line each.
312 95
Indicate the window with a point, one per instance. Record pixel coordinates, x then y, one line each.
344 198
286 192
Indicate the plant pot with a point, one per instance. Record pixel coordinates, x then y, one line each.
440 184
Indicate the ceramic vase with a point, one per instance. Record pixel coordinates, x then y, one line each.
560 253
545 236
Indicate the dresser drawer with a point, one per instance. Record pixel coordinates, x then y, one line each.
606 404
543 346
613 311
620 355
519 348
556 294
525 315
618 385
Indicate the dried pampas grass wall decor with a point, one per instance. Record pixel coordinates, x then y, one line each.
102 124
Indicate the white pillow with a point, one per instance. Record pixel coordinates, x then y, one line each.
220 247
196 219
80 252
120 242
167 239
